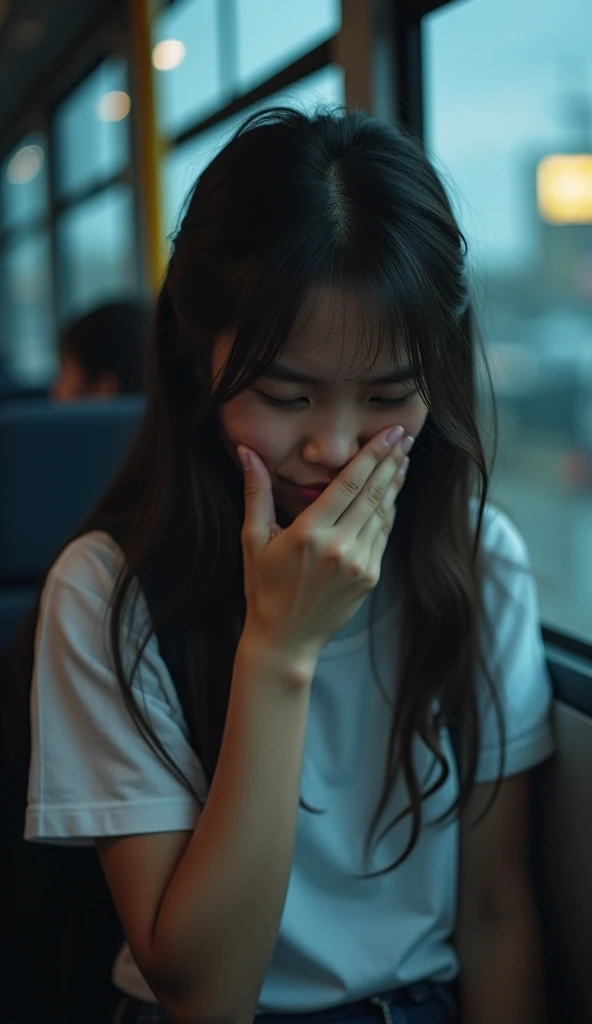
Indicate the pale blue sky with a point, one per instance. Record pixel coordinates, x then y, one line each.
495 75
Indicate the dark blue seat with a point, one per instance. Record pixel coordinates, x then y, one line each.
8 394
55 462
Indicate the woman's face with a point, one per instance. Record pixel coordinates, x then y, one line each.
336 407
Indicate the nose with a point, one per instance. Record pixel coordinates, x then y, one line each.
332 449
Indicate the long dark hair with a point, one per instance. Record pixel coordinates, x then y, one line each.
291 203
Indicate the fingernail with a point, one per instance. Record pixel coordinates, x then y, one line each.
244 456
407 444
393 436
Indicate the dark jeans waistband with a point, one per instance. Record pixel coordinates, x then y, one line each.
407 995
132 1011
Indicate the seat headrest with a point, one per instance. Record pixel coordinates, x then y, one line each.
55 462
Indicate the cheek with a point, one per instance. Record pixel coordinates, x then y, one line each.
414 418
272 436
252 426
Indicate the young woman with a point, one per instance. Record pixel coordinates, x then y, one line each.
286 833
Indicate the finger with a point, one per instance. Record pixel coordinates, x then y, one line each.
382 536
381 520
259 505
402 470
333 502
365 504
375 535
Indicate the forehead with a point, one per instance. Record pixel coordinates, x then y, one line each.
337 339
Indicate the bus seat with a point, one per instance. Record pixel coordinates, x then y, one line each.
22 394
561 835
55 461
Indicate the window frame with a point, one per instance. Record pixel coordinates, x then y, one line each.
110 36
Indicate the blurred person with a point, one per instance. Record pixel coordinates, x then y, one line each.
102 353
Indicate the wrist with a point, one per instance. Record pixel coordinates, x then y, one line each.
269 657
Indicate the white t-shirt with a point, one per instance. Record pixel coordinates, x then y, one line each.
340 939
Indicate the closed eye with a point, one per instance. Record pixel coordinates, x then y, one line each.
293 403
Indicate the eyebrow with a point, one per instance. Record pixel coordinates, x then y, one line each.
285 373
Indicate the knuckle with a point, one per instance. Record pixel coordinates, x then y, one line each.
336 554
357 572
382 511
366 578
304 536
349 485
250 487
375 492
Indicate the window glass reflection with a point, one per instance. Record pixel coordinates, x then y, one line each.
23 177
26 322
508 118
184 163
186 62
92 130
271 35
96 252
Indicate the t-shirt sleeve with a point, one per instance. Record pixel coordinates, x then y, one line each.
515 654
92 773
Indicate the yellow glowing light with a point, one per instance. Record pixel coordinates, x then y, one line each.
168 54
564 188
113 106
25 165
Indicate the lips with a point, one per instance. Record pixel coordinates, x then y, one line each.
317 486
309 488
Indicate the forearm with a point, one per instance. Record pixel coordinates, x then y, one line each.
502 970
218 924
